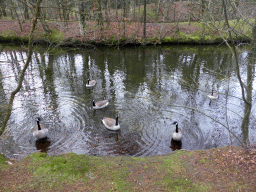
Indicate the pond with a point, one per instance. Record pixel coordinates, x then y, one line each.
149 89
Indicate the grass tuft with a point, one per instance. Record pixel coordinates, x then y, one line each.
56 36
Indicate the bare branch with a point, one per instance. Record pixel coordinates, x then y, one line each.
9 109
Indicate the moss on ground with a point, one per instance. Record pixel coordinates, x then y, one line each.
202 170
56 36
10 36
2 162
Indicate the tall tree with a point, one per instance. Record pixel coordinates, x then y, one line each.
3 8
145 19
79 16
246 89
26 12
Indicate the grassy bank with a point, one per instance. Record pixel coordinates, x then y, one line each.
120 33
223 169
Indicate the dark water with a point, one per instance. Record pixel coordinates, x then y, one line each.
148 88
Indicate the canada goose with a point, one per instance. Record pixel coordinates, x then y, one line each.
40 131
177 134
100 104
213 95
90 83
110 123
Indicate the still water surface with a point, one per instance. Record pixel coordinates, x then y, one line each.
148 88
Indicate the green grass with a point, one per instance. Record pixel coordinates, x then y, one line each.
56 36
184 184
2 162
204 161
64 167
112 40
7 36
179 171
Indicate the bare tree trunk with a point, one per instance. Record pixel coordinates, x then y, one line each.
145 19
247 107
45 26
26 13
78 14
107 13
158 9
249 88
124 7
17 16
13 93
168 10
116 10
203 8
139 8
83 14
3 8
244 88
134 8
100 15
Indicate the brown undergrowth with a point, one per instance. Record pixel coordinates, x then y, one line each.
109 33
219 169
225 169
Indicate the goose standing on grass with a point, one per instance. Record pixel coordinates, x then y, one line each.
213 95
90 83
177 134
100 104
40 131
111 124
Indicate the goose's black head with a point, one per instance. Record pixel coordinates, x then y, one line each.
38 119
175 123
88 81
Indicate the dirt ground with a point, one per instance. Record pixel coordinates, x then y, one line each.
70 32
219 169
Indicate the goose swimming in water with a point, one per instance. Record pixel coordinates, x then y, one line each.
177 134
111 124
213 95
90 83
40 131
100 104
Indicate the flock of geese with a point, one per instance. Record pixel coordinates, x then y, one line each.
41 132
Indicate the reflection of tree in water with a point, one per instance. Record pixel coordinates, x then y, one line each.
175 145
47 75
3 101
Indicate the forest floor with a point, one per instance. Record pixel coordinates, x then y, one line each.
219 169
120 33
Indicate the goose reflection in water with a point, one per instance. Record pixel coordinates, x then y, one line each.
43 144
175 145
112 134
